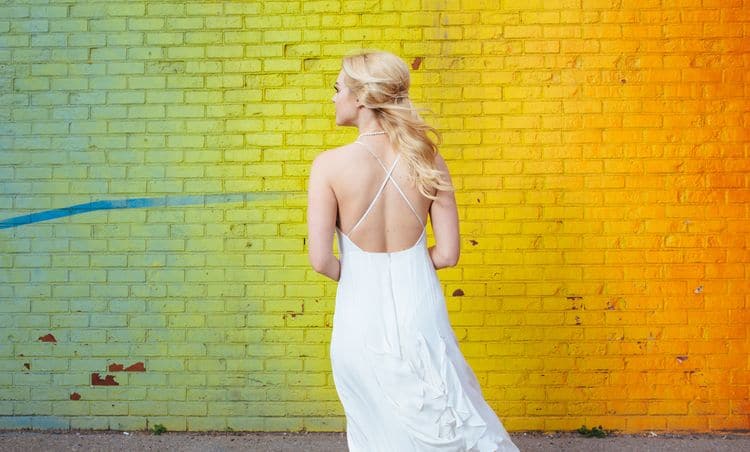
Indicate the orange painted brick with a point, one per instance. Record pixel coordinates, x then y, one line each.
581 168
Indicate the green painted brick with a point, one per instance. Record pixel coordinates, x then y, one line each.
108 408
185 290
166 394
48 98
32 291
148 321
184 23
68 25
283 335
49 306
206 424
127 423
6 408
32 84
53 69
71 408
165 8
188 380
88 335
240 423
145 23
164 38
185 52
125 9
82 422
49 422
147 409
31 379
176 82
183 408
204 335
9 365
127 393
324 424
186 321
176 424
148 379
130 336
146 111
15 305
244 365
85 364
132 124
8 41
125 39
244 336
322 365
276 424
166 306
108 320
32 321
36 261
50 364
165 335
110 26
48 11
72 379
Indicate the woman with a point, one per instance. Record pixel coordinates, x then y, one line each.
396 363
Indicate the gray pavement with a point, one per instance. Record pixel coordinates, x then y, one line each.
47 441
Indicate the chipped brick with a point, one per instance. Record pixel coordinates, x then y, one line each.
109 380
137 367
47 338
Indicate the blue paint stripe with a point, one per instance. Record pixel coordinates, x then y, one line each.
137 203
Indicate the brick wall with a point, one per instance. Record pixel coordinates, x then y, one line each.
153 161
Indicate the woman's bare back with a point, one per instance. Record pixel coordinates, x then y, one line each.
358 172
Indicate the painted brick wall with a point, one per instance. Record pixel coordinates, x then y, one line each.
153 161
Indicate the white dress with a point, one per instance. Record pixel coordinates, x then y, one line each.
397 367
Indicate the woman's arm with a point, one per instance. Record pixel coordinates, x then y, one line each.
321 221
444 220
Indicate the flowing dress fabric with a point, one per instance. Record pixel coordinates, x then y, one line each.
397 367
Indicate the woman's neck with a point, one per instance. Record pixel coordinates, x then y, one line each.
368 127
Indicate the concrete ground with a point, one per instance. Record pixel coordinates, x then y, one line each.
48 441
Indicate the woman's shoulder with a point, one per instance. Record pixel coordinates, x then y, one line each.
333 158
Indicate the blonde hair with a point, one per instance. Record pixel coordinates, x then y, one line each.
380 80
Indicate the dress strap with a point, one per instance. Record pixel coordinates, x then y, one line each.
408 203
389 177
367 148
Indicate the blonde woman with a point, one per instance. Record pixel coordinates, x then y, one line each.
398 370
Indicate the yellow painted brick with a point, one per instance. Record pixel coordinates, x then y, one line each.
557 219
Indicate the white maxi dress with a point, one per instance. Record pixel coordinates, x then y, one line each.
397 367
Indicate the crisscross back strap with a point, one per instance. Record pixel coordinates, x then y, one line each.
388 177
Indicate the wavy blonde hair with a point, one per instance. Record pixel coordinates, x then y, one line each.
380 80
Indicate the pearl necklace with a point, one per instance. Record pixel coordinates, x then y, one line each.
370 134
